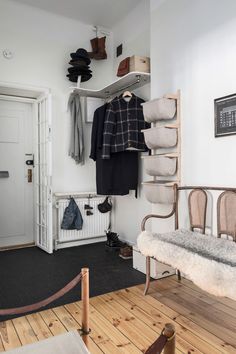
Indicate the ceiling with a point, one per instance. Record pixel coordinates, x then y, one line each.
104 13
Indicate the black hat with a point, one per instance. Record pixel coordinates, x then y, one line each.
81 54
105 206
78 62
79 70
74 77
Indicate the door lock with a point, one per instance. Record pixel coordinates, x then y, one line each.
29 175
29 162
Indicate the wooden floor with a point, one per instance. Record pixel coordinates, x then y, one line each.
127 322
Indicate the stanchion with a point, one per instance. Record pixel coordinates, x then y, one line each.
85 300
169 332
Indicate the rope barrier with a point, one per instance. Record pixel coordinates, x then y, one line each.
165 341
43 303
158 345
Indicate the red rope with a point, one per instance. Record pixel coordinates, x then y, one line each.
43 303
158 345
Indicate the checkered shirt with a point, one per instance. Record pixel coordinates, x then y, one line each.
123 124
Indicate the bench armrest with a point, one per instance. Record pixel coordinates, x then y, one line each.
157 216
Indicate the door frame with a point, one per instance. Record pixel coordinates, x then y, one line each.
32 95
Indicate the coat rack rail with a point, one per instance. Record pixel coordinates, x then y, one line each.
132 80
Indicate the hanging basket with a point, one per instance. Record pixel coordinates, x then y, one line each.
160 137
160 165
159 192
159 109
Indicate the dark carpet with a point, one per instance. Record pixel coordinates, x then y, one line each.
30 275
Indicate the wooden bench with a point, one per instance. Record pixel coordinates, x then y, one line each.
210 262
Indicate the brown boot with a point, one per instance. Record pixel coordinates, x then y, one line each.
94 44
101 54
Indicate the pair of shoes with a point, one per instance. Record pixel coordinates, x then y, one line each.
98 48
113 240
126 252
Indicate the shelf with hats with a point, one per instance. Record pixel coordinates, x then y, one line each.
164 141
131 81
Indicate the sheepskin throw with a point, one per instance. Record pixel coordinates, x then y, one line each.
206 260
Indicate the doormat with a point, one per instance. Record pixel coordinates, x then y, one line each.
30 275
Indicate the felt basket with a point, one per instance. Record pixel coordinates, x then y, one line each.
160 137
160 165
159 109
158 192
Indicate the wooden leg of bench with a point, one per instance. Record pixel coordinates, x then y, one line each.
147 275
179 275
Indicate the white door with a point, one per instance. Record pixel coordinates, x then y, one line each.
16 177
43 163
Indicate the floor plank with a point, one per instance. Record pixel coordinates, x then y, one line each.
217 322
53 322
1 346
136 293
210 320
120 341
66 319
8 335
92 347
192 341
127 322
24 330
39 326
228 302
186 341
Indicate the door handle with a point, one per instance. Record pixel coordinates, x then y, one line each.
4 174
29 175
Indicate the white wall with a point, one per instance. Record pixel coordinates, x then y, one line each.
42 43
193 48
134 32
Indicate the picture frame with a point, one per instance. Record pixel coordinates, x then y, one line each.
90 105
225 115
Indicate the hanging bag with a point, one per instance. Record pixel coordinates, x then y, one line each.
105 206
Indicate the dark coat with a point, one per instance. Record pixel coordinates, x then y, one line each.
117 175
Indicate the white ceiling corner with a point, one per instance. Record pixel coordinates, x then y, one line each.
106 13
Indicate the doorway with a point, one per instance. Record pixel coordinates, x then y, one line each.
16 177
25 168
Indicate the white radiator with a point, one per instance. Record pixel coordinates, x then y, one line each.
94 226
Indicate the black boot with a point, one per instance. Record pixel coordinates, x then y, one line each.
113 240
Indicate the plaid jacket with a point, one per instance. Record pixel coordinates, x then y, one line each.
123 124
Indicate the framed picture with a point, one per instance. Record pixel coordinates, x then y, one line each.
225 115
91 104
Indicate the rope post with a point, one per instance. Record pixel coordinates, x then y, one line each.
169 332
85 300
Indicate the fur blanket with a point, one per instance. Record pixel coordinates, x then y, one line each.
209 262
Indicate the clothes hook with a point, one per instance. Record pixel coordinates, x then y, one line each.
96 30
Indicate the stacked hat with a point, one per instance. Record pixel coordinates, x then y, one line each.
80 66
